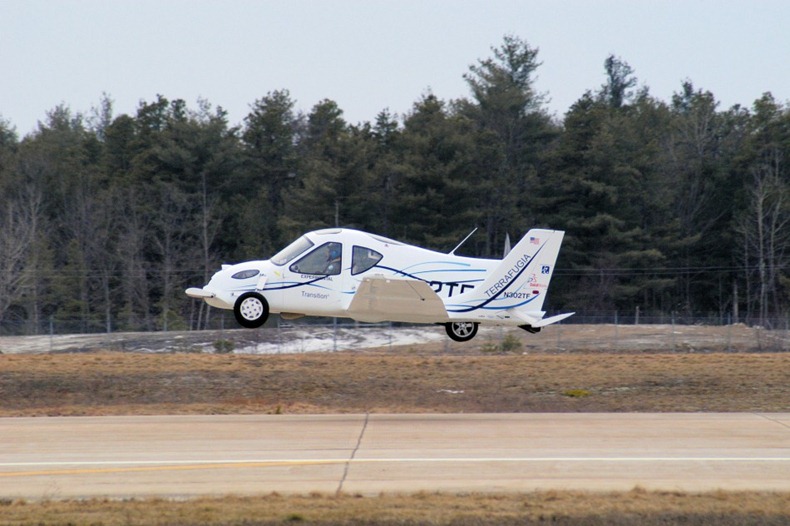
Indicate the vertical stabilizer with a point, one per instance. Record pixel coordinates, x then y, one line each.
520 282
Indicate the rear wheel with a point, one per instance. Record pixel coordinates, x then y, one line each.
251 310
461 331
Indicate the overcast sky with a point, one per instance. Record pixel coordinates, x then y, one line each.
368 55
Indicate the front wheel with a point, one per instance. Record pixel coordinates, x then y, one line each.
251 310
461 331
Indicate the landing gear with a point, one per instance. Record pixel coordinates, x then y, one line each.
461 331
251 310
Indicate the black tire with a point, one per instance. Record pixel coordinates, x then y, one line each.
251 310
461 331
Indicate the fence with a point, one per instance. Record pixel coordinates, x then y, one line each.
580 333
668 337
223 319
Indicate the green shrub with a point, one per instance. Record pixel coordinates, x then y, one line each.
509 344
223 346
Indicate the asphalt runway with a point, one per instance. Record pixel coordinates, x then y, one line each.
184 456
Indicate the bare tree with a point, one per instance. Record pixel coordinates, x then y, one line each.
19 223
765 228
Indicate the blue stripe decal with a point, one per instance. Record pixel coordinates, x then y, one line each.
448 270
414 276
456 263
296 284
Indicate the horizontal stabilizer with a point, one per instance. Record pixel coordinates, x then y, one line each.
552 319
405 300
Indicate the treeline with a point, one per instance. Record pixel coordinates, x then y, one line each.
670 206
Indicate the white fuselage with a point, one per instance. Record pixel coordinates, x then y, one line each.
295 284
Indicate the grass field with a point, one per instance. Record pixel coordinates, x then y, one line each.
406 379
117 383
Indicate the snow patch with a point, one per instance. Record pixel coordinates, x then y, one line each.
328 340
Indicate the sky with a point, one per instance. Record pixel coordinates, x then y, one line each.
371 55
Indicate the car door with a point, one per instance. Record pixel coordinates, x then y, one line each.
314 281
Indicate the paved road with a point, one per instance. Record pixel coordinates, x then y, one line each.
175 456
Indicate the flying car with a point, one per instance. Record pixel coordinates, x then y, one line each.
341 272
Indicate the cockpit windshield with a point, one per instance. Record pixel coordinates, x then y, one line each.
291 251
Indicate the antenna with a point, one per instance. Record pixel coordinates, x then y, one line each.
452 252
507 245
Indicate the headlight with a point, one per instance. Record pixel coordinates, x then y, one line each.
246 274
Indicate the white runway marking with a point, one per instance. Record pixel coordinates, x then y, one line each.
280 461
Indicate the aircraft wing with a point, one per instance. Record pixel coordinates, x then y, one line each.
408 300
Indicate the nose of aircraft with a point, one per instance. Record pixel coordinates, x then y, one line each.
232 280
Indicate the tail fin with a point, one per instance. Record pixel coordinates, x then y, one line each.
519 284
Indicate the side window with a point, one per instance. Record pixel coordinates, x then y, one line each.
363 259
325 260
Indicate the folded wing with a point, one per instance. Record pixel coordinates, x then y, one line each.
405 300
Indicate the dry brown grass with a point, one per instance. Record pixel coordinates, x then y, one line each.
116 383
555 507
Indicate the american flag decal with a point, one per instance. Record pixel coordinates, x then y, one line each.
534 240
